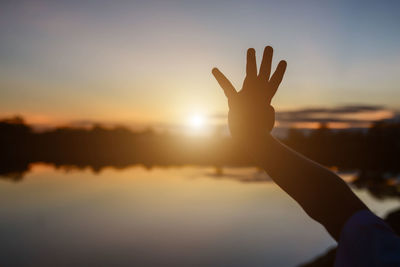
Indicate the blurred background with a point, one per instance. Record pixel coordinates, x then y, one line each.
114 138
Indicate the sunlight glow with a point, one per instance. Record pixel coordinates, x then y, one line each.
197 121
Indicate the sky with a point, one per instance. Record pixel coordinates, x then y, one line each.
149 62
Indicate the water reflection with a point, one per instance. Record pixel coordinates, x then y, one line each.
380 184
175 216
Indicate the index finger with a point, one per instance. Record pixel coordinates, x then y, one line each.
251 65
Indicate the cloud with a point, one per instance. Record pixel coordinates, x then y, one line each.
347 116
343 114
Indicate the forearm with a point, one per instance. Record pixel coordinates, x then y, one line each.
320 192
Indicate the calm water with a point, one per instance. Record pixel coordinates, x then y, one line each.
171 217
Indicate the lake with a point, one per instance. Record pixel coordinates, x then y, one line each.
177 216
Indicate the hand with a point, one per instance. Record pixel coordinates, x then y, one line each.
250 112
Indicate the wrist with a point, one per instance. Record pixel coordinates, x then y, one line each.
254 144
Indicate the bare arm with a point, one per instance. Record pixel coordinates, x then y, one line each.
321 193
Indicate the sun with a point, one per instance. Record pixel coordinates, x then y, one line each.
196 121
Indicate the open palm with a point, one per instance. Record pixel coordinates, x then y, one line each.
250 111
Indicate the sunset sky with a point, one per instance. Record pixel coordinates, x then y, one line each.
149 62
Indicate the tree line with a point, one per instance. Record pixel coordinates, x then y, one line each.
374 151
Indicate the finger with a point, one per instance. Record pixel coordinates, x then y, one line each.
265 68
251 66
225 84
276 78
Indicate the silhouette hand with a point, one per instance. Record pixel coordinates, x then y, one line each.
250 112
